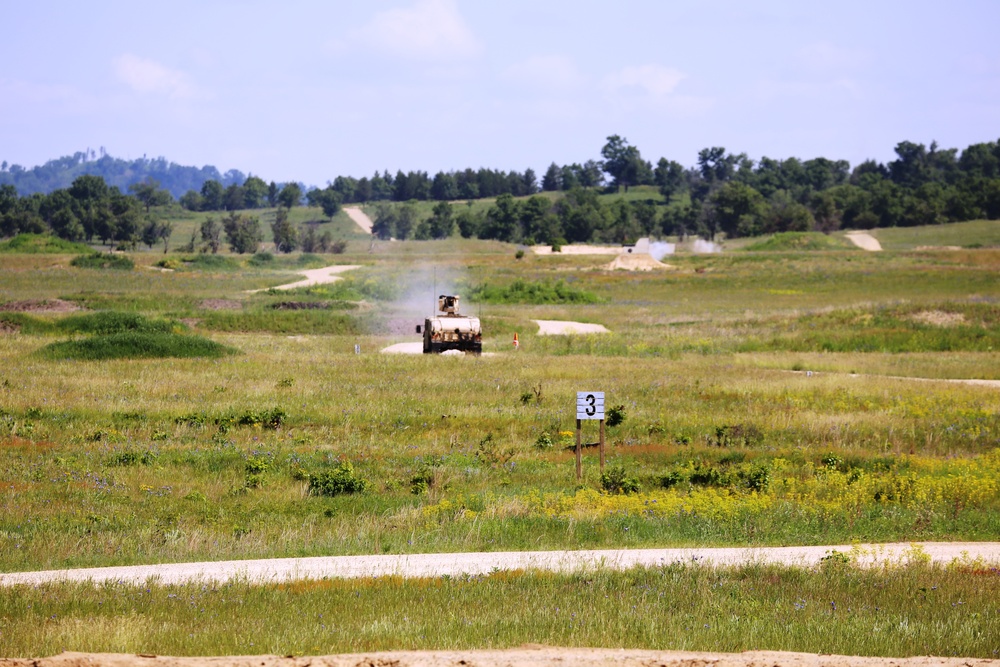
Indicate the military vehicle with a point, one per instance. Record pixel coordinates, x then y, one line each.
451 330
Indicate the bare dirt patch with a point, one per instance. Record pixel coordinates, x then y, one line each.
566 328
578 250
40 306
220 304
865 241
637 261
525 656
302 305
938 318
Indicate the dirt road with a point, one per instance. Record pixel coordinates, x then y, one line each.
327 274
563 328
359 217
525 656
454 564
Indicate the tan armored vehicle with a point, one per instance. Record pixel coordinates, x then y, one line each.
451 330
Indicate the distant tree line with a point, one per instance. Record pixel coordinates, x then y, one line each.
723 193
732 194
60 173
88 209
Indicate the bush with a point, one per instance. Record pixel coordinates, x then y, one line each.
341 480
271 419
527 291
100 260
616 415
111 322
261 259
37 244
136 345
615 480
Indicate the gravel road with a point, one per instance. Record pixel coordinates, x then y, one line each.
328 274
454 564
359 217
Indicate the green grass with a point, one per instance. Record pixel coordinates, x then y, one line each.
135 345
836 609
136 460
529 292
974 234
798 241
103 261
42 244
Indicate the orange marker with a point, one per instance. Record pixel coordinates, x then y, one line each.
517 345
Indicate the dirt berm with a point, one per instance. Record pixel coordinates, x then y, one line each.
520 657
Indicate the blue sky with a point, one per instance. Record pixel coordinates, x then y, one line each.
311 90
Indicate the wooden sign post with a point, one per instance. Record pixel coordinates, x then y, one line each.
589 405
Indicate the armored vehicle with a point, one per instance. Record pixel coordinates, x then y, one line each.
451 330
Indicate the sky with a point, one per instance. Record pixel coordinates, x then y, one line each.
307 91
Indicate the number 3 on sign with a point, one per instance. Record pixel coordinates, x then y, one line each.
590 405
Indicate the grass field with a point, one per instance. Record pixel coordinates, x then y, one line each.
766 401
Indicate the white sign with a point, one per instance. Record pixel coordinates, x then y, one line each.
590 405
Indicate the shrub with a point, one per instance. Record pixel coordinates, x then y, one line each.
736 435
527 291
36 244
271 419
519 254
261 259
616 415
131 457
616 480
136 345
341 480
110 322
100 260
543 441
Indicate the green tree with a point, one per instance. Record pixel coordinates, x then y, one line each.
738 210
552 180
290 195
212 194
384 223
406 220
328 199
442 222
669 176
211 235
234 198
581 215
621 161
502 220
286 235
254 192
149 193
192 201
242 232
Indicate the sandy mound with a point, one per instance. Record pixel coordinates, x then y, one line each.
938 318
864 240
578 250
636 261
563 328
220 304
40 306
525 656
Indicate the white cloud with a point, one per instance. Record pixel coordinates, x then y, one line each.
652 80
546 72
147 76
428 30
